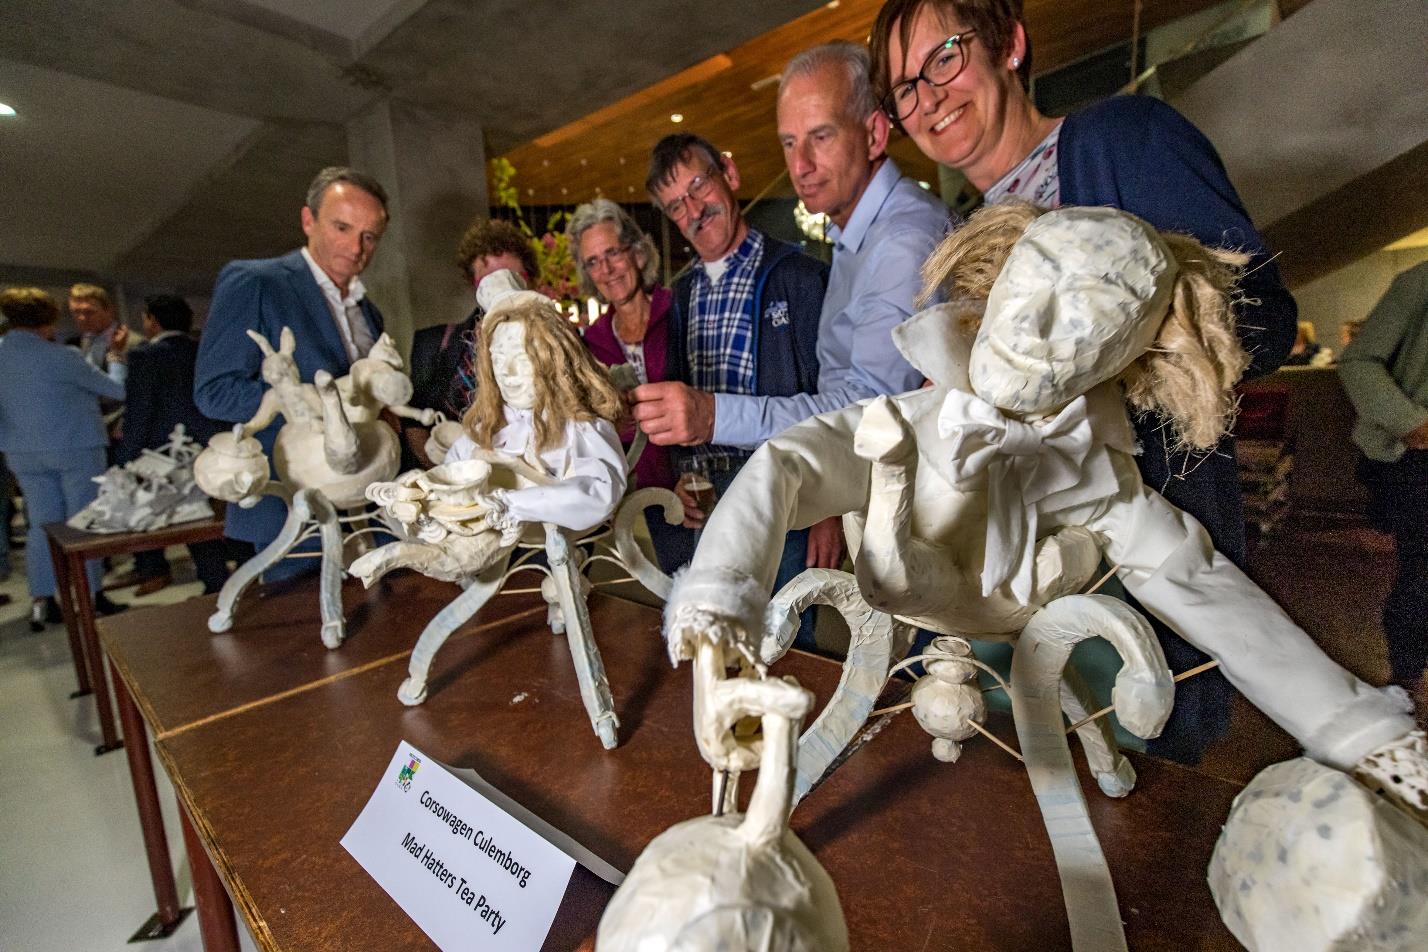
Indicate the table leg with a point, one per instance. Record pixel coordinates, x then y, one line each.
84 610
65 596
216 924
151 821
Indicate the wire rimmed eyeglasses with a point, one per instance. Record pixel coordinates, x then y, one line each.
699 189
605 260
944 64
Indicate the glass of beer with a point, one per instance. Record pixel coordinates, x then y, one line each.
694 473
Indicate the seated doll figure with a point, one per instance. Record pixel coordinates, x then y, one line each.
544 413
978 500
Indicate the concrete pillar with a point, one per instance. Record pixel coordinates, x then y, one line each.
434 169
1323 126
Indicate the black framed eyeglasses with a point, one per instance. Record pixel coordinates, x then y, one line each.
699 188
944 64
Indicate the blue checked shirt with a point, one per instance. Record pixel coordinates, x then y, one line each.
721 328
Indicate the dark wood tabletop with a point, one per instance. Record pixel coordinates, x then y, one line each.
93 545
180 674
925 855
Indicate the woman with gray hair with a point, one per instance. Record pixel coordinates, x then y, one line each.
618 264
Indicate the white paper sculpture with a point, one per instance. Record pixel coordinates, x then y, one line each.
150 492
331 447
973 507
544 474
726 881
1310 861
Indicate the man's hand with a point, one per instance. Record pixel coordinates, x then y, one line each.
1417 439
693 516
825 544
673 414
118 344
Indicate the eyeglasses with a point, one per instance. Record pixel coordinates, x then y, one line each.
943 65
699 189
605 260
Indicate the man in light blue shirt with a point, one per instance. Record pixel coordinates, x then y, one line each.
883 227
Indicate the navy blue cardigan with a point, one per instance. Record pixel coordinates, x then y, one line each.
1140 155
788 299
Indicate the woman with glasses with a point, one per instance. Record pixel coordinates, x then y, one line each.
618 264
954 74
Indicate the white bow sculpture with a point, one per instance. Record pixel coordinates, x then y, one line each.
1031 468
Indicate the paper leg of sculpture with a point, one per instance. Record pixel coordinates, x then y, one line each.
631 556
589 668
1143 695
729 883
332 571
1310 861
877 642
477 593
249 572
339 439
1113 772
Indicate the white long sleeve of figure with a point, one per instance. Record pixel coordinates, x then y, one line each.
1166 560
588 467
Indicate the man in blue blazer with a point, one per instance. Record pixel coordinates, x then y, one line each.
315 291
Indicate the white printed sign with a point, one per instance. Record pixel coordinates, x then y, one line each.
470 875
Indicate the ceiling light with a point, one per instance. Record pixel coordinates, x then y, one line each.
677 117
6 110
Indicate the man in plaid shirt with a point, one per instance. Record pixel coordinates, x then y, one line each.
744 321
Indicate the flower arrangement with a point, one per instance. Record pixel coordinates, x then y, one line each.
555 274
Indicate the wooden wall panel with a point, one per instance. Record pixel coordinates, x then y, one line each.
730 100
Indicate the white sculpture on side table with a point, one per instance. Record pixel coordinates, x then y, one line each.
979 506
331 447
539 470
151 492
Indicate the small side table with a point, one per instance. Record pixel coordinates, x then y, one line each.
69 549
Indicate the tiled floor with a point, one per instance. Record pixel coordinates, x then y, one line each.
72 873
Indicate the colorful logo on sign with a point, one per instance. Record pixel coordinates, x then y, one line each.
405 775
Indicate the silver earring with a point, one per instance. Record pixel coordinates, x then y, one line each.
1016 61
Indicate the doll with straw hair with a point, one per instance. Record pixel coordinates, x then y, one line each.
998 489
570 385
544 414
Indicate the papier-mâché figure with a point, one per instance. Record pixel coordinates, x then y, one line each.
147 493
540 464
974 503
332 445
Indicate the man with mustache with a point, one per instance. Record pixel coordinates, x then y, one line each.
744 324
315 291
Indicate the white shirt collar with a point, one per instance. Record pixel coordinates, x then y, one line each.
356 291
880 186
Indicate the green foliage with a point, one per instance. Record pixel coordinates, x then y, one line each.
555 264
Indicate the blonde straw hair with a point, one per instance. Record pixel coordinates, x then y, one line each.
570 384
1188 374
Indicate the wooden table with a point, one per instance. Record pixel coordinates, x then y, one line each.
925 855
69 549
191 677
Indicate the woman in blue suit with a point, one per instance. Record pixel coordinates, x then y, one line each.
51 431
